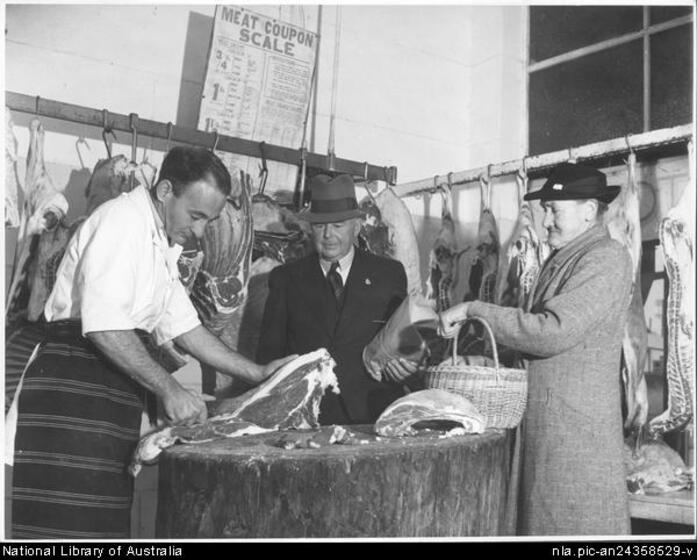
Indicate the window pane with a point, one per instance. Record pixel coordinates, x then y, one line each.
659 14
558 29
671 77
593 98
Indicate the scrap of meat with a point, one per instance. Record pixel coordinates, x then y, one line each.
677 237
109 179
623 222
388 231
483 274
524 256
12 183
44 208
288 400
655 468
429 409
442 260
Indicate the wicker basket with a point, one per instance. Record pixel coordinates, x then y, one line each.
498 393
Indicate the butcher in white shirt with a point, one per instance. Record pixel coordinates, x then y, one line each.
80 406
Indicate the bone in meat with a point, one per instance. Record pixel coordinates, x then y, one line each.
442 259
677 237
110 178
288 400
388 231
12 184
623 222
524 257
429 408
654 468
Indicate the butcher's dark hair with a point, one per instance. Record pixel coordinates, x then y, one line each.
184 165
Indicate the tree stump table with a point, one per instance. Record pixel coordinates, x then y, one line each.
420 486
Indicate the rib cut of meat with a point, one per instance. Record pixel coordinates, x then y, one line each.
288 400
426 409
442 260
677 235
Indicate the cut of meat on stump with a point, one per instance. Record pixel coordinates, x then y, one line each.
288 400
429 409
250 487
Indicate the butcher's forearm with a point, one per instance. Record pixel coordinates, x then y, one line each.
207 348
127 352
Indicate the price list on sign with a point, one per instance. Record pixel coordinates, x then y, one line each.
257 86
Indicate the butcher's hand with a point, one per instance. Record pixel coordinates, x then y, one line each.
182 406
399 369
449 320
269 369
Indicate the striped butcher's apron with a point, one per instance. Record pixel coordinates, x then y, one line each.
78 424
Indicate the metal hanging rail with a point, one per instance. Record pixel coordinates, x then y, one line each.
635 142
167 131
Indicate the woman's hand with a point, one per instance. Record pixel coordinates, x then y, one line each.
450 319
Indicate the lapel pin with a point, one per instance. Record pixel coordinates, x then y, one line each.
367 282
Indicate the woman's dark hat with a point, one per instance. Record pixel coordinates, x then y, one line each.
571 181
332 200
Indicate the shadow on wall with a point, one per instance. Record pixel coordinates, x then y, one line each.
198 37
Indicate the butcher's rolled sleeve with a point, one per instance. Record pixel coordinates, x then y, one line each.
566 318
179 317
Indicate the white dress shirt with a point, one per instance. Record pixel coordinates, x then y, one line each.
344 265
119 273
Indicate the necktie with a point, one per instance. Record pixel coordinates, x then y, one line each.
335 280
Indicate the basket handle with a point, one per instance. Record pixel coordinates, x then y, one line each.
491 337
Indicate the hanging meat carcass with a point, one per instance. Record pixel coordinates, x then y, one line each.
677 237
442 260
623 222
43 210
288 400
482 277
388 231
12 183
525 254
110 178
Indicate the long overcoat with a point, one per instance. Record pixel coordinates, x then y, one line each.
573 478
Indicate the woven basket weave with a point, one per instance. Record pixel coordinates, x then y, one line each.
498 393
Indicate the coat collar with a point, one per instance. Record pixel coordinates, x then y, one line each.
561 256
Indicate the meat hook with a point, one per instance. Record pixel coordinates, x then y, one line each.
169 136
36 105
216 138
263 169
133 120
365 178
106 129
81 140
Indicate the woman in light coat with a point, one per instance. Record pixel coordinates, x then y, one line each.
573 479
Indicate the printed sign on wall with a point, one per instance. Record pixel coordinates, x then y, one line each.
257 86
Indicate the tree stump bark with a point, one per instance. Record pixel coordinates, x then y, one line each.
422 486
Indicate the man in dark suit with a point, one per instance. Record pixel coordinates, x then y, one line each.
337 298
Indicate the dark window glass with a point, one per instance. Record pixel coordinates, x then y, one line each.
659 14
671 77
592 98
558 29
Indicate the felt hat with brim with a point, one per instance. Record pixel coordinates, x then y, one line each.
571 181
331 200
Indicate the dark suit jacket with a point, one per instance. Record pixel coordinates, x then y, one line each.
301 316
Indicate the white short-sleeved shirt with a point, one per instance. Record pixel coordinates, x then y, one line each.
119 273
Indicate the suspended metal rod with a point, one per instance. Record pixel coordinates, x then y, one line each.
594 151
114 121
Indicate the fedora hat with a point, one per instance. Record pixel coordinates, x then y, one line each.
331 200
571 181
